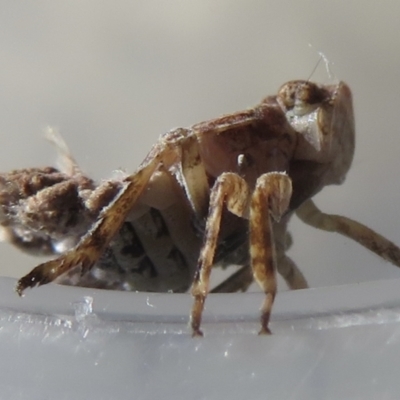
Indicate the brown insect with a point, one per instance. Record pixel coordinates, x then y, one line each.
220 192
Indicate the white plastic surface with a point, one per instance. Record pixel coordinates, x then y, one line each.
74 343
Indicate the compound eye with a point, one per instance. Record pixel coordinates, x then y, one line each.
301 97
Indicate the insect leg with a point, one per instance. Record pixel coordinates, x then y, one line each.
91 246
270 199
285 265
231 189
311 215
239 281
243 278
291 273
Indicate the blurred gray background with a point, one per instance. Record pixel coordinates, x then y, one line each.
114 75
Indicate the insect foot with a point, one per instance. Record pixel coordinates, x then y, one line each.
218 193
51 270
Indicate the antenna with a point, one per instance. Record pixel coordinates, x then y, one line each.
327 62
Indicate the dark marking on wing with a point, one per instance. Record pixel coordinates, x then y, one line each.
159 223
178 259
108 261
133 246
145 268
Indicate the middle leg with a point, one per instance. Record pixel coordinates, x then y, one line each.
309 213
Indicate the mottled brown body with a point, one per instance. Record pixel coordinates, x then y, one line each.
218 193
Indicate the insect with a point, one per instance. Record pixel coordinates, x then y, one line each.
220 192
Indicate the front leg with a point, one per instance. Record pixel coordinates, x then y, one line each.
233 190
311 215
92 245
270 200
